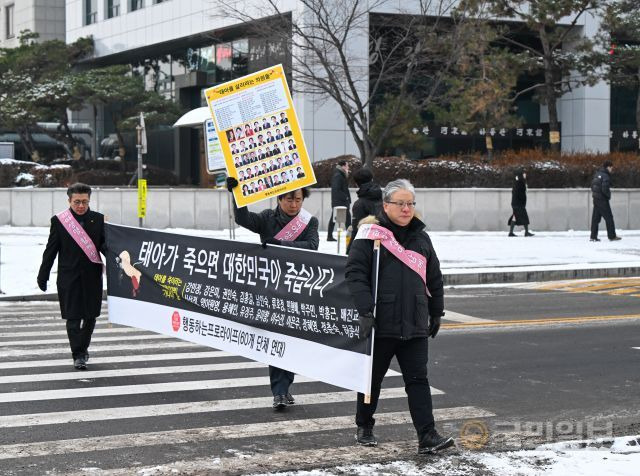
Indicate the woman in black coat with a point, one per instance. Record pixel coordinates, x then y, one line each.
520 217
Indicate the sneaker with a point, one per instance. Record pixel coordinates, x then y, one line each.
433 442
80 363
86 356
594 239
615 238
512 234
365 437
529 234
331 238
290 399
279 402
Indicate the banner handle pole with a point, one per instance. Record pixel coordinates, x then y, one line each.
374 275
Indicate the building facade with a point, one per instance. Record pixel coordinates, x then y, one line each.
45 17
194 49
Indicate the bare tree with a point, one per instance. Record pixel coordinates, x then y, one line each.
409 54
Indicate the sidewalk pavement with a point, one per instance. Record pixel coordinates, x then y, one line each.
465 257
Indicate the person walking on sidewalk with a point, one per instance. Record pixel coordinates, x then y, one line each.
601 193
369 199
520 217
276 227
339 195
76 236
409 308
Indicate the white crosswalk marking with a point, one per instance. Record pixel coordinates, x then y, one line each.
62 349
63 332
98 338
457 317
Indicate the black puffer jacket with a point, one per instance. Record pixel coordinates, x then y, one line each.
340 189
403 307
269 222
601 185
369 202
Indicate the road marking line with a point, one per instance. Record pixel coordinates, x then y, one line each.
51 350
197 435
112 360
96 339
63 332
457 317
143 389
142 411
550 320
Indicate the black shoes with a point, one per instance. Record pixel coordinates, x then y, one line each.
615 238
279 402
80 363
594 239
290 399
529 234
433 442
331 238
512 234
365 437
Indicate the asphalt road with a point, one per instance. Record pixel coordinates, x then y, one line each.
517 367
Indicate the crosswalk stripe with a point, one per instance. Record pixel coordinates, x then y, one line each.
63 332
56 323
225 432
457 317
95 374
142 411
57 349
94 339
142 389
113 360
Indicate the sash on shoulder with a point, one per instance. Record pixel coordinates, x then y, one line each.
79 235
415 261
292 230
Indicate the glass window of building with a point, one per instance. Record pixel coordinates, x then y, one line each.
207 59
240 60
257 54
135 5
9 22
90 11
224 54
113 8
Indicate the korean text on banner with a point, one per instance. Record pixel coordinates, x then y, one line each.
260 135
284 307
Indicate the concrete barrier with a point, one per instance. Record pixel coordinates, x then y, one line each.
443 209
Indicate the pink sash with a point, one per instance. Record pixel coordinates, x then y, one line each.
412 259
79 235
292 230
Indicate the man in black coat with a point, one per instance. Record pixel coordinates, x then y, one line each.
268 224
519 217
339 195
407 312
601 193
369 200
79 279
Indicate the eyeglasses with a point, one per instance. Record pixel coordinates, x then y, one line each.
403 204
80 202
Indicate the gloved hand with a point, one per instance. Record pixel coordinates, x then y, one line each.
271 241
434 325
367 322
42 285
231 183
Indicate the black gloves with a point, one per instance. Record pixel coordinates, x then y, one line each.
271 241
42 285
367 322
231 183
434 325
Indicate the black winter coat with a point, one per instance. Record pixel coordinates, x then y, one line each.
403 307
340 189
601 185
269 222
519 192
369 202
79 280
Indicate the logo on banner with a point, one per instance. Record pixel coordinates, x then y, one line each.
175 321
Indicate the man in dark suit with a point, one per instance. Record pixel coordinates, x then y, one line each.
79 277
340 195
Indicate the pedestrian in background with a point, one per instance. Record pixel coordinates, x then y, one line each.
520 217
369 199
76 237
601 193
339 195
272 226
409 308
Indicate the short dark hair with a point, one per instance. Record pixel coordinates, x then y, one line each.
362 176
78 188
341 163
305 193
607 163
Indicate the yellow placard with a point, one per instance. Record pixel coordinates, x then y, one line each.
142 198
554 137
260 135
489 142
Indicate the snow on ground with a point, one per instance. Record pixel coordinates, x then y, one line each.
21 252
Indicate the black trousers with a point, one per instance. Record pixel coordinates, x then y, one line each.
333 223
281 380
602 209
79 332
412 356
